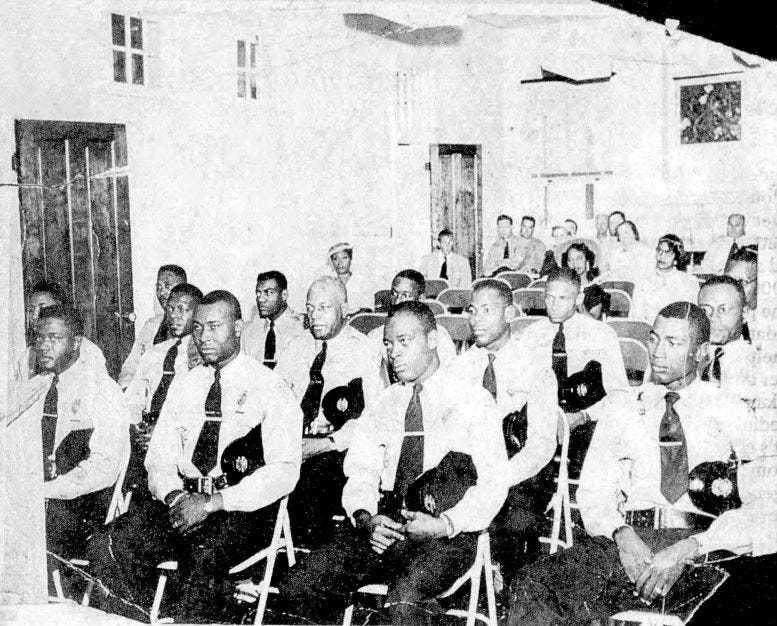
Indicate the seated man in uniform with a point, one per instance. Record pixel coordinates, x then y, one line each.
723 250
155 329
84 426
409 429
49 294
330 357
517 383
156 371
445 263
410 285
270 332
743 266
568 341
732 358
634 490
205 514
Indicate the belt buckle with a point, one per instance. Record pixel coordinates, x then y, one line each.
205 485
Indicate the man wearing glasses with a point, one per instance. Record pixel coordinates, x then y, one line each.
332 355
270 332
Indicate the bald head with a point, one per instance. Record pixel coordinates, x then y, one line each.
327 307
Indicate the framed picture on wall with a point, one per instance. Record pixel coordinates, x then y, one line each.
711 112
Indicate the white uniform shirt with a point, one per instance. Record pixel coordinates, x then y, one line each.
288 327
251 394
622 470
456 417
587 340
658 289
350 354
715 258
738 369
519 380
458 269
141 389
87 398
143 341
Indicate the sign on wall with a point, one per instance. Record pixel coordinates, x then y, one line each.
711 112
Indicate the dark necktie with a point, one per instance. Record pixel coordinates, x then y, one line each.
161 332
444 268
311 401
746 332
506 253
48 425
674 452
411 456
206 451
560 355
168 373
712 372
489 376
269 346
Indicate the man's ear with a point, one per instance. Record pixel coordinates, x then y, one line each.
702 352
239 327
285 295
432 339
579 300
77 343
344 309
511 312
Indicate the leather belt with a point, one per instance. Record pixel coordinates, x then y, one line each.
654 518
205 484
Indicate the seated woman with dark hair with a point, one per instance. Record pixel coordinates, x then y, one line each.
630 259
580 258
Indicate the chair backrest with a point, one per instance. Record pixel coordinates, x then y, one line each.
531 301
519 324
635 329
623 285
366 322
539 283
517 280
636 359
702 278
436 307
499 278
434 286
455 300
458 328
620 303
382 300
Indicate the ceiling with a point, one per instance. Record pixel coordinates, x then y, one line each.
746 25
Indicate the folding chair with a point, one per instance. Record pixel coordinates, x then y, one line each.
702 278
531 301
482 567
434 286
499 278
623 285
635 329
636 359
366 322
517 280
519 324
561 502
538 283
455 300
382 300
281 541
118 506
436 307
458 328
620 303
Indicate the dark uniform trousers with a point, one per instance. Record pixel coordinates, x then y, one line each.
316 498
70 522
416 571
587 583
125 554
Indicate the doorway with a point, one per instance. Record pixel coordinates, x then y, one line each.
75 223
456 198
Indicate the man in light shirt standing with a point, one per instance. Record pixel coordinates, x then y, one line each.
200 516
410 428
496 363
642 525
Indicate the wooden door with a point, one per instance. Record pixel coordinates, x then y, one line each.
456 192
74 202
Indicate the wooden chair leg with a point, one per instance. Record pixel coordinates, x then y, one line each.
160 590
